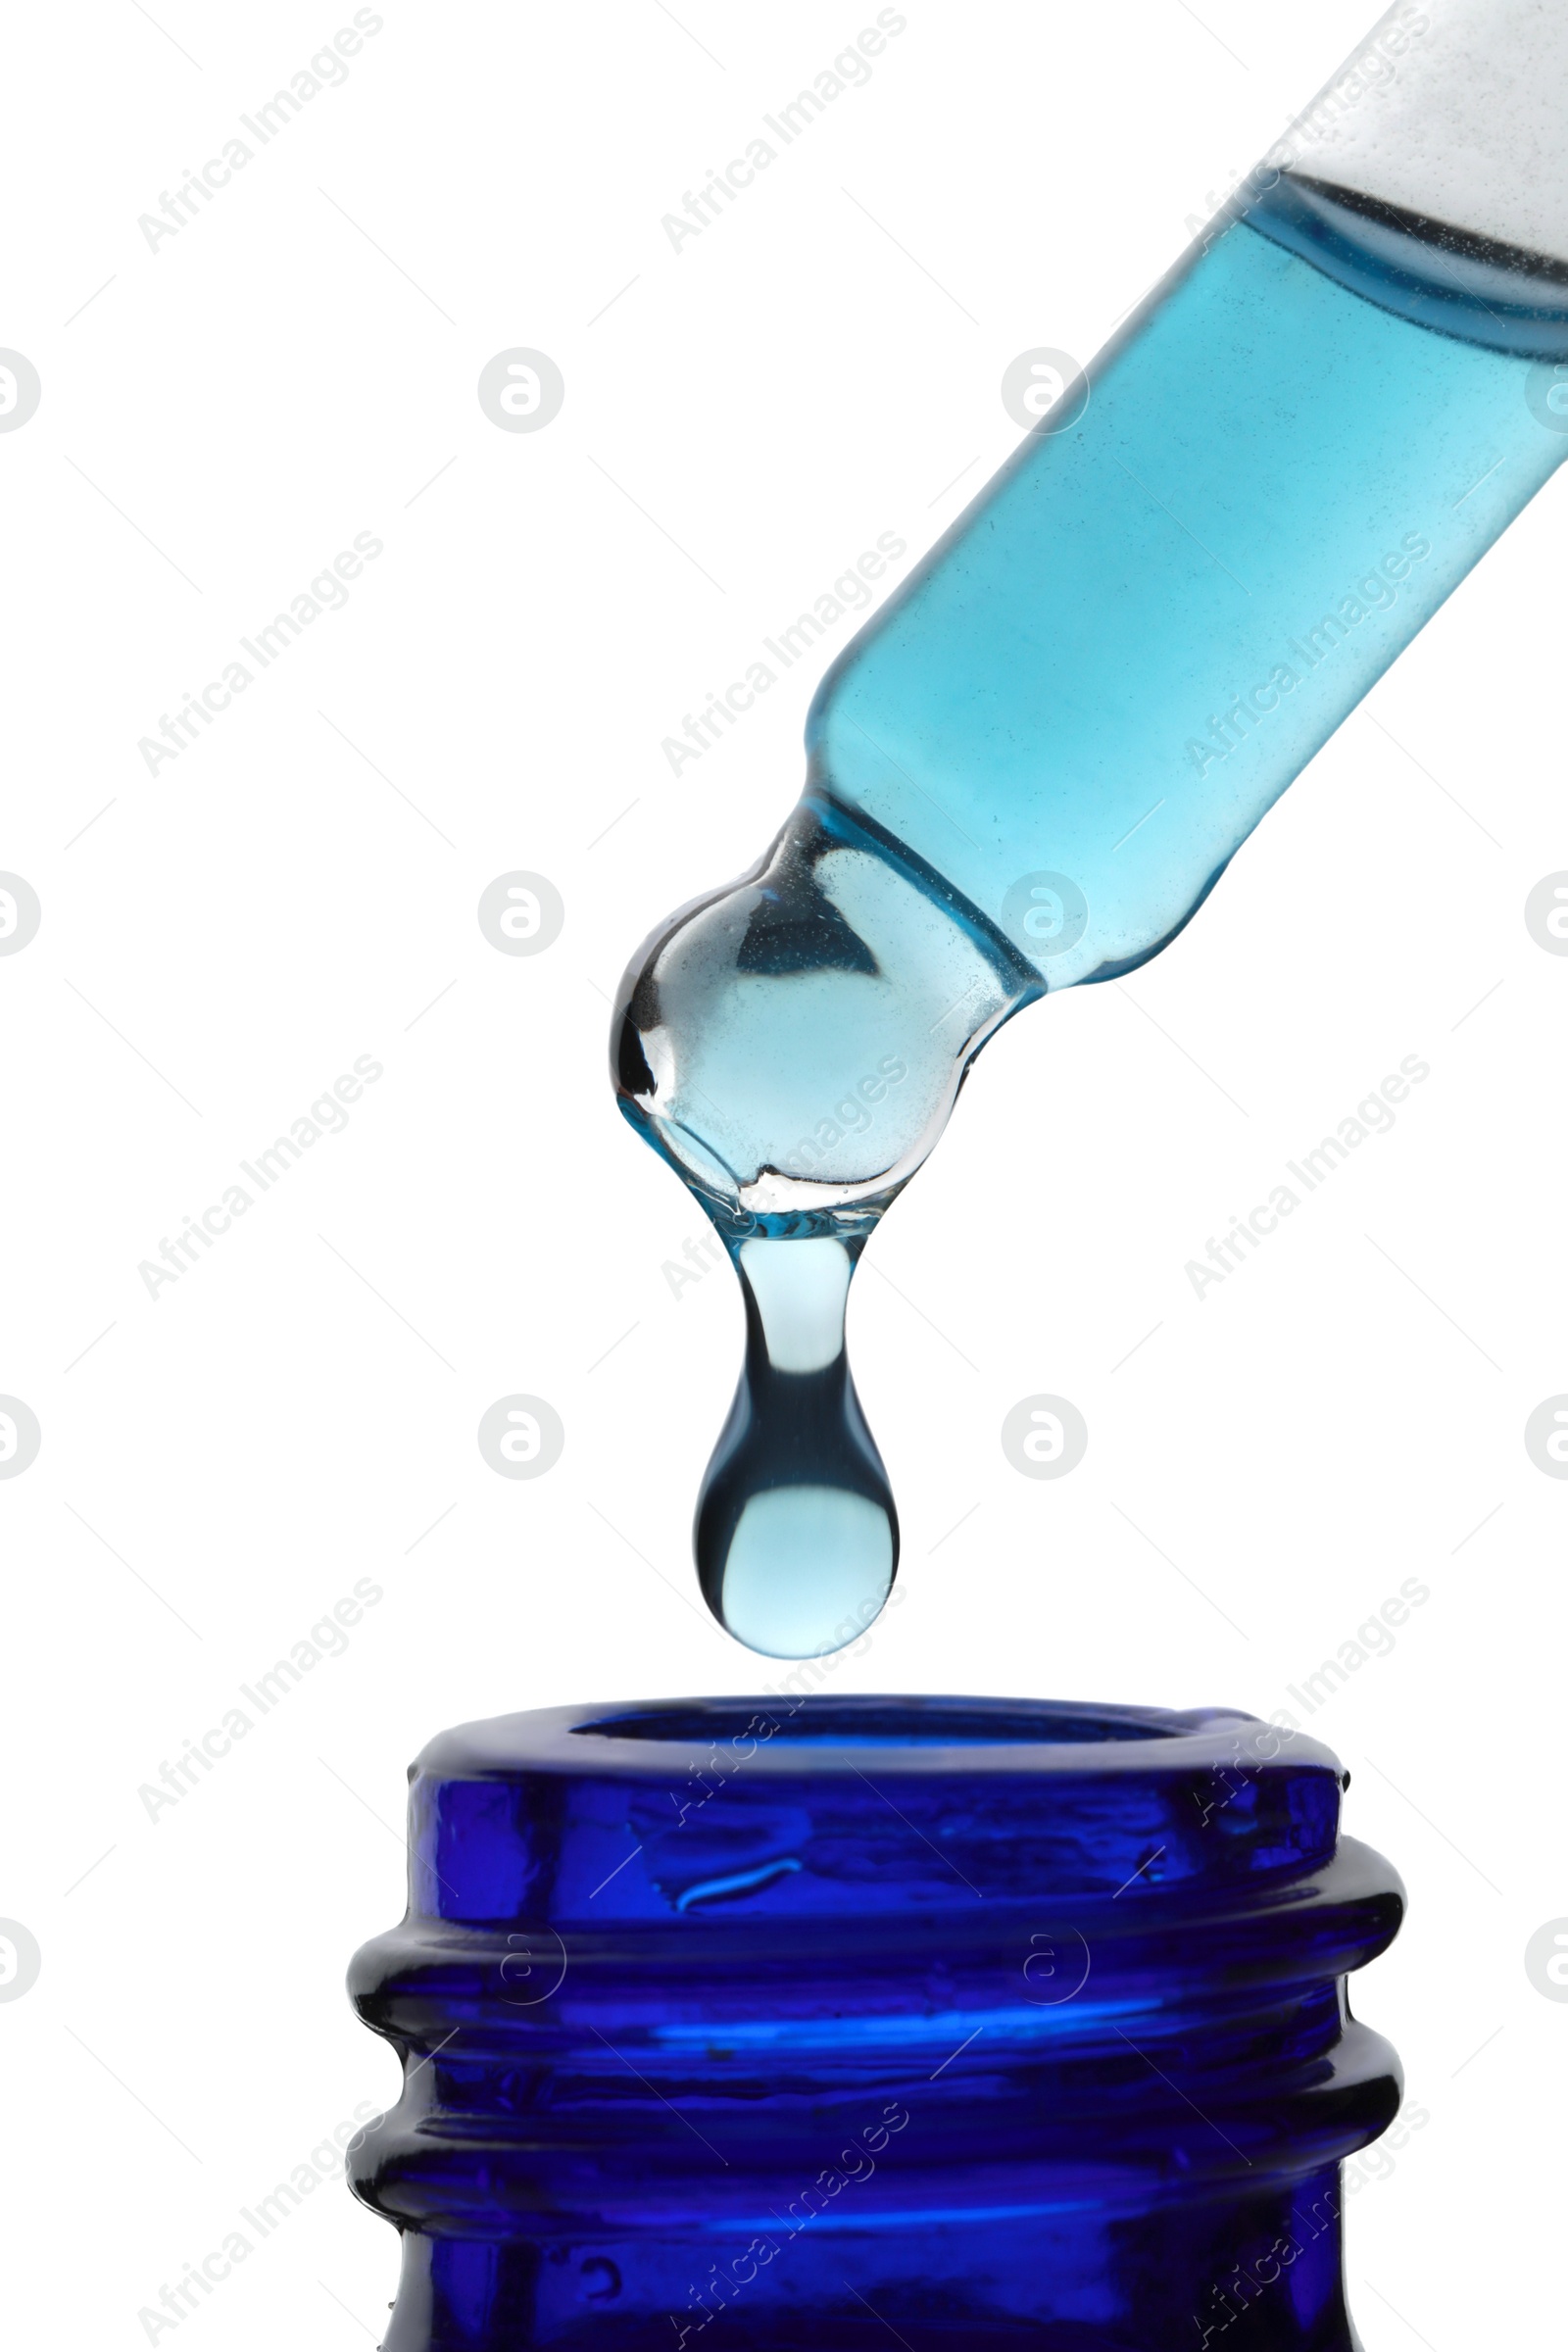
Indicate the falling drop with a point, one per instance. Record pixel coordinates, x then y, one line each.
796 1538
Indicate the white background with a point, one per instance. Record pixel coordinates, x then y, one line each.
222 1463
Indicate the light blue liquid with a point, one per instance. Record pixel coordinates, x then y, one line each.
1033 766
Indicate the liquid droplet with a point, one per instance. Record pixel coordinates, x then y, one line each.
796 1538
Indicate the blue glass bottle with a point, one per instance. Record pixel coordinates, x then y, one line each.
805 2025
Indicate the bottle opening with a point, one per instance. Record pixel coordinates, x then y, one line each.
862 1721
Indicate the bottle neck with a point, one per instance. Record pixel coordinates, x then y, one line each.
1261 2270
748 2025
